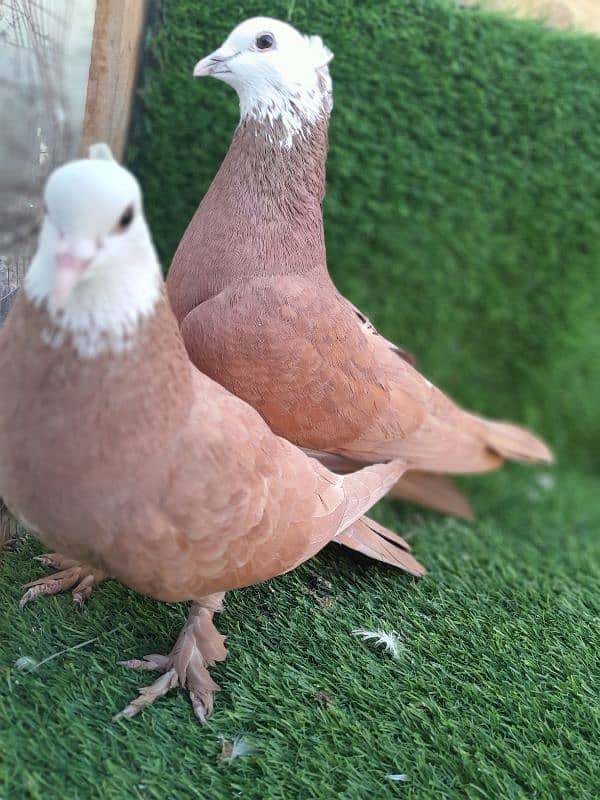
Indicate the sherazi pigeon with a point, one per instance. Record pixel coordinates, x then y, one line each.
260 314
117 451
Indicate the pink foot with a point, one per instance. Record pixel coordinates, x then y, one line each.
74 576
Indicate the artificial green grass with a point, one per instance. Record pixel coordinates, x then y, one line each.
494 695
463 203
464 161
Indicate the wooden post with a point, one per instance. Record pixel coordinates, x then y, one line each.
118 31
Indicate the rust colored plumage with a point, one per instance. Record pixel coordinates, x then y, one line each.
178 466
259 313
371 539
119 453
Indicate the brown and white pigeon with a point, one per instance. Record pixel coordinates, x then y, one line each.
118 452
260 314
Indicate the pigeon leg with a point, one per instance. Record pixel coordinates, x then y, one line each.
73 575
198 646
8 526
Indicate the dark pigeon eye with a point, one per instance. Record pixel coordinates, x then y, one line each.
264 41
126 219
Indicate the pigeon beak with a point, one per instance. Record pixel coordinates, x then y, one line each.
215 63
73 255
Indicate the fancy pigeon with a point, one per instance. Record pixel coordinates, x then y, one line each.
260 314
118 452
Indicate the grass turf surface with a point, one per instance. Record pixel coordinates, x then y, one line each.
495 692
464 159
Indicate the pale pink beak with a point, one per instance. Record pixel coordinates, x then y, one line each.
72 256
215 63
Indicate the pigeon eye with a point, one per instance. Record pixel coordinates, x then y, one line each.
264 41
126 219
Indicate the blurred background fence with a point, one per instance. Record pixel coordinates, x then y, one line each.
67 77
43 69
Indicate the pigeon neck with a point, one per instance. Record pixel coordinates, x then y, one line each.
130 395
261 216
287 113
273 176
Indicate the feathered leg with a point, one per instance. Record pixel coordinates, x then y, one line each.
8 526
198 646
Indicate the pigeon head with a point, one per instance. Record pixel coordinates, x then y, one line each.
278 73
95 265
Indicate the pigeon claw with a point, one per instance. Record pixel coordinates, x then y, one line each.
198 647
148 694
74 576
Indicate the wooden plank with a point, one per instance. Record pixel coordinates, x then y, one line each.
118 31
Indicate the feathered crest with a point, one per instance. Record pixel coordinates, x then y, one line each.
102 151
321 53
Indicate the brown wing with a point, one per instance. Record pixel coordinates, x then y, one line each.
426 489
450 439
298 354
371 330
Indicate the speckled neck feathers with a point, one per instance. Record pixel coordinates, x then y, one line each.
261 216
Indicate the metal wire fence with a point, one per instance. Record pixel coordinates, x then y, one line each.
37 130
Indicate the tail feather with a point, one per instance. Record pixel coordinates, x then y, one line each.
371 539
362 489
455 442
433 491
340 502
516 443
429 489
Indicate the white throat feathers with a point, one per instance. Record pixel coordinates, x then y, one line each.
101 316
295 108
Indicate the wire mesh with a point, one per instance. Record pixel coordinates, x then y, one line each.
38 131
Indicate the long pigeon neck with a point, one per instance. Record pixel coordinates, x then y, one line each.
261 216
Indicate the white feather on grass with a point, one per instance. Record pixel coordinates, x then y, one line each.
28 664
390 641
238 748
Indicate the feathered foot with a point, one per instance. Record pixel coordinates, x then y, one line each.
198 646
8 527
73 575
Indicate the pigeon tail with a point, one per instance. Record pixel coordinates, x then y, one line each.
365 487
373 540
428 489
433 491
516 443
